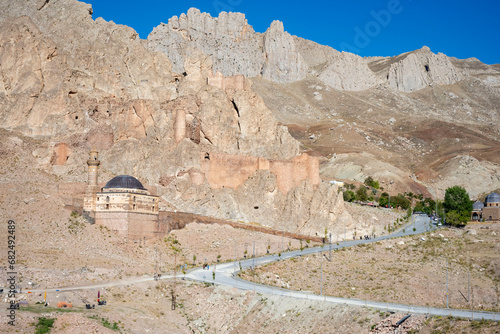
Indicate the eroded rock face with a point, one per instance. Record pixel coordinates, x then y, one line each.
236 49
283 62
58 75
420 69
232 44
306 209
461 169
92 84
347 71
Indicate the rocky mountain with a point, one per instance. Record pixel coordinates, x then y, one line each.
207 142
414 111
233 45
235 48
179 111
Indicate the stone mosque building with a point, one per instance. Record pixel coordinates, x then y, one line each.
491 210
123 205
487 211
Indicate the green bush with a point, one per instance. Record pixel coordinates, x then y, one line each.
458 206
361 194
400 201
349 196
44 325
370 182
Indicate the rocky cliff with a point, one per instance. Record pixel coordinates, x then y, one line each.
80 83
420 69
181 120
235 48
233 45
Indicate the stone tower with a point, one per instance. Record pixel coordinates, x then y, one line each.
89 202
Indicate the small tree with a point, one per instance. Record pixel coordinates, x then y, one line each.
349 196
458 219
400 201
368 181
458 206
361 194
456 198
408 212
384 199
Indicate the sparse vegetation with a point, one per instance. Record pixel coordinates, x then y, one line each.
409 269
105 322
44 325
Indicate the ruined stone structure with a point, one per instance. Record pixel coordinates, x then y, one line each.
225 170
236 82
123 205
126 207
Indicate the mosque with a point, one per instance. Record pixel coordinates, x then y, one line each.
487 211
123 205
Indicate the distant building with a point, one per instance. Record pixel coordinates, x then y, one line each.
123 205
477 211
491 210
337 183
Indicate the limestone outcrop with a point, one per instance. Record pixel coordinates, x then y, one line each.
347 71
58 77
420 69
230 41
234 47
283 63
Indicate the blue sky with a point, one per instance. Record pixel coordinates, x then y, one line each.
459 28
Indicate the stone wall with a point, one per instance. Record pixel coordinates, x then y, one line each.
491 211
236 82
132 226
224 170
170 221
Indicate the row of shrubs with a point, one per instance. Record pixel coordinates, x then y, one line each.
455 208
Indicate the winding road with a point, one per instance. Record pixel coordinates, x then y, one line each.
225 274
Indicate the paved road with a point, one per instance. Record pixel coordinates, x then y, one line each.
225 274
129 281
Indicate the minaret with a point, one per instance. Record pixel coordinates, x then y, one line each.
89 204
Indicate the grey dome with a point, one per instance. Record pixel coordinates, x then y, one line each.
124 181
477 206
492 198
